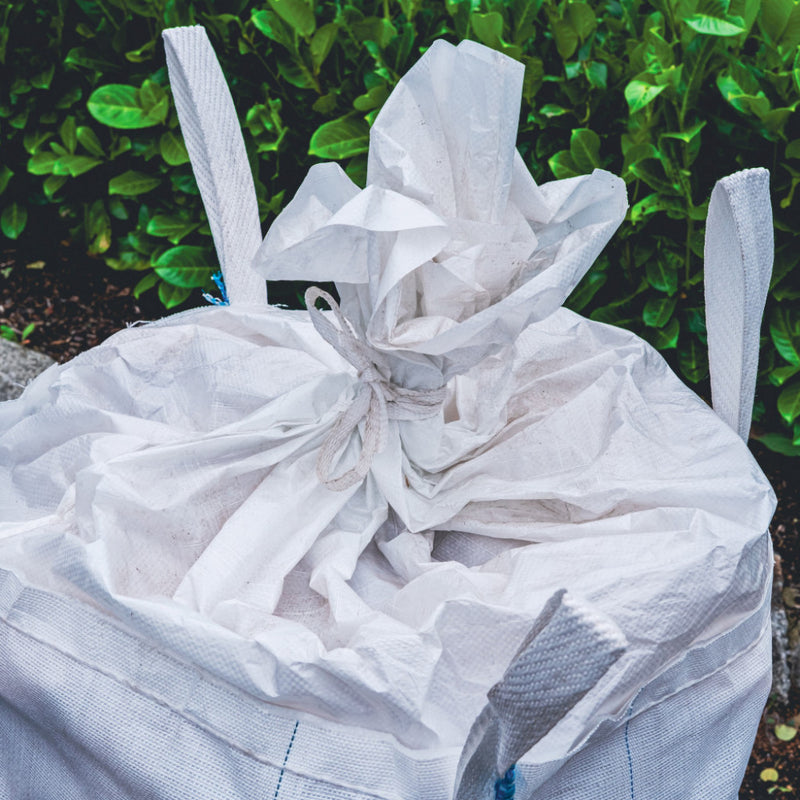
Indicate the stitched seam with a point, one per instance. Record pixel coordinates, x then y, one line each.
628 745
285 759
195 723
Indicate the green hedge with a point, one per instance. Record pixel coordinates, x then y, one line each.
671 94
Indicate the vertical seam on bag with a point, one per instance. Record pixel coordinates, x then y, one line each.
285 759
628 744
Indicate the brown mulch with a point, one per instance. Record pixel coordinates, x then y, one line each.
76 302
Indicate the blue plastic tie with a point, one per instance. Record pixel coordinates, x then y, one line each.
504 787
217 278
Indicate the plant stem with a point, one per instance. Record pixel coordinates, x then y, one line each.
696 78
688 253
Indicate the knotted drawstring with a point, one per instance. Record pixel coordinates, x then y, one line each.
377 399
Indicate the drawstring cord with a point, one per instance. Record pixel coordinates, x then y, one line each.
377 399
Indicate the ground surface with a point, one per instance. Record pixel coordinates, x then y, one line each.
77 302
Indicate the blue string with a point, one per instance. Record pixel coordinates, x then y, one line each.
285 759
217 278
504 787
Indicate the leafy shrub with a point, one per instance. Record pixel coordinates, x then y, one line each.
670 94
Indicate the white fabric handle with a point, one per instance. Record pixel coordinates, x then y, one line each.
738 266
568 650
219 160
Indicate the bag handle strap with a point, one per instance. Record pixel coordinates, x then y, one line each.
569 648
219 160
739 251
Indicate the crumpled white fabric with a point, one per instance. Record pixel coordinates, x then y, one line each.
169 475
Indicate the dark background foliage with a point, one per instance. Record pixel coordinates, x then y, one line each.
670 94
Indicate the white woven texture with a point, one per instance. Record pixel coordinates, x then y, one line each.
214 140
384 550
738 266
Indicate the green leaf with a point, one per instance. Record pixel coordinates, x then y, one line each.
768 775
524 13
410 8
665 338
132 183
779 375
173 228
68 133
712 26
550 110
117 208
172 148
789 404
119 146
98 228
297 13
142 53
154 101
488 27
119 106
297 73
13 220
662 272
658 311
374 98
273 27
784 328
566 38
588 287
43 79
74 165
84 57
774 17
658 54
185 266
33 140
596 74
374 29
149 280
6 173
69 98
321 44
779 444
581 18
685 136
611 315
42 163
128 260
652 172
340 138
52 184
639 94
793 149
693 361
653 203
172 296
563 165
785 732
89 141
584 146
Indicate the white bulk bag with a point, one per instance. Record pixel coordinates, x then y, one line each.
449 540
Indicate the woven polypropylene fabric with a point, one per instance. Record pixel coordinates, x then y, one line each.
219 160
187 611
738 266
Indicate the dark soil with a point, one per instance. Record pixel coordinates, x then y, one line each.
76 302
